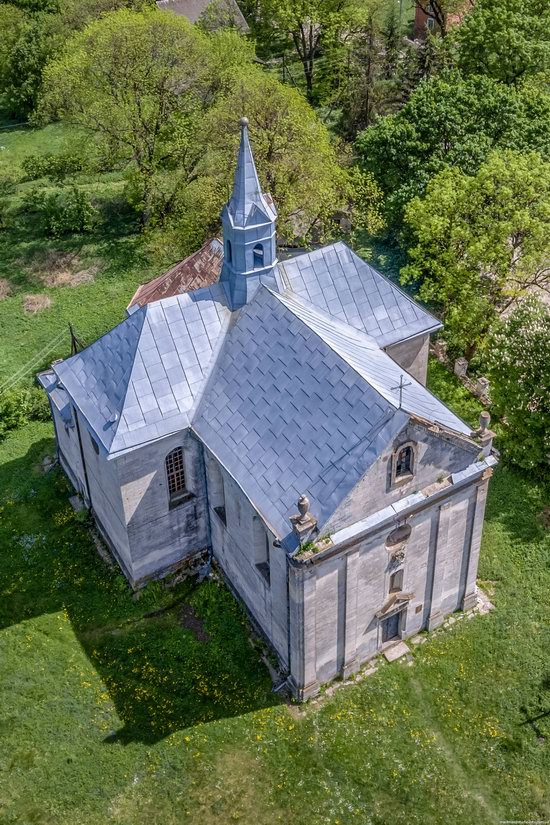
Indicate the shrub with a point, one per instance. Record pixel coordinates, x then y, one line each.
18 406
62 211
56 167
519 370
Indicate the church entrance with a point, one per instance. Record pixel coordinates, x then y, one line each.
390 627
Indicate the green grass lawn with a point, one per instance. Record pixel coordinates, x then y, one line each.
115 710
115 249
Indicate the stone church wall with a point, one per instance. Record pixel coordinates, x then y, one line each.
239 546
435 455
412 355
334 627
161 535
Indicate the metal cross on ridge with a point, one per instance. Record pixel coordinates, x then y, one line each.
401 386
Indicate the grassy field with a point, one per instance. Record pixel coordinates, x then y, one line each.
158 710
112 253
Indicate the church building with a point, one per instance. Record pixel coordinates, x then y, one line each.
278 419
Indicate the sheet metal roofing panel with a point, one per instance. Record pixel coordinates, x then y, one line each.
140 381
375 366
248 206
285 414
339 282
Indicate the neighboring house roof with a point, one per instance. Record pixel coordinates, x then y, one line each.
201 269
141 380
194 9
295 404
338 281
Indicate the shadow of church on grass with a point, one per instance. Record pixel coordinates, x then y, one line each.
170 659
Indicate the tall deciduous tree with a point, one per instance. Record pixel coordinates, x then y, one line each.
481 243
451 121
518 361
138 82
505 39
306 23
296 160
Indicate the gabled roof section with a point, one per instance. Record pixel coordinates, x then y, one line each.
194 9
199 270
286 414
375 366
247 205
141 380
342 284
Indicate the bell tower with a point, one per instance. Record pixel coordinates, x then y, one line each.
248 221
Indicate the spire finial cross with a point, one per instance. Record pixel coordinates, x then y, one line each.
401 386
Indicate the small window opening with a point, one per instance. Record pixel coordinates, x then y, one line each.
228 253
258 256
404 463
261 548
396 581
95 445
217 491
176 475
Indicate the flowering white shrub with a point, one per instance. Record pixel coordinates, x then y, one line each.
519 369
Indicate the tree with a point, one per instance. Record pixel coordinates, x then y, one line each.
518 363
296 161
440 10
505 39
451 121
481 243
306 24
139 83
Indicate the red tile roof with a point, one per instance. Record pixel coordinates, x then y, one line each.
200 269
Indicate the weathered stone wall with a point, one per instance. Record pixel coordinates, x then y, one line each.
105 496
238 546
334 627
412 355
437 455
69 451
160 535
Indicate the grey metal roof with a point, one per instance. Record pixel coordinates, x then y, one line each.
301 403
285 413
141 380
194 9
375 366
339 282
247 205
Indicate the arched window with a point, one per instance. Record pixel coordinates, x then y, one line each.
176 475
258 256
404 462
228 251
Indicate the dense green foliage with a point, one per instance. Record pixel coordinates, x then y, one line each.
519 368
451 121
481 242
505 39
21 405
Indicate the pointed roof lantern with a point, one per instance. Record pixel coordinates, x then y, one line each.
247 198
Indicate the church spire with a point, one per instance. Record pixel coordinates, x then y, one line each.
248 221
247 192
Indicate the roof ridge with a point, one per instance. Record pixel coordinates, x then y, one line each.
123 400
361 338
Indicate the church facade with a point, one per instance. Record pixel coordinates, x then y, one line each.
278 419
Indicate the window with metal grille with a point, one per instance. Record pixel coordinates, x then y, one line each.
176 475
404 462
